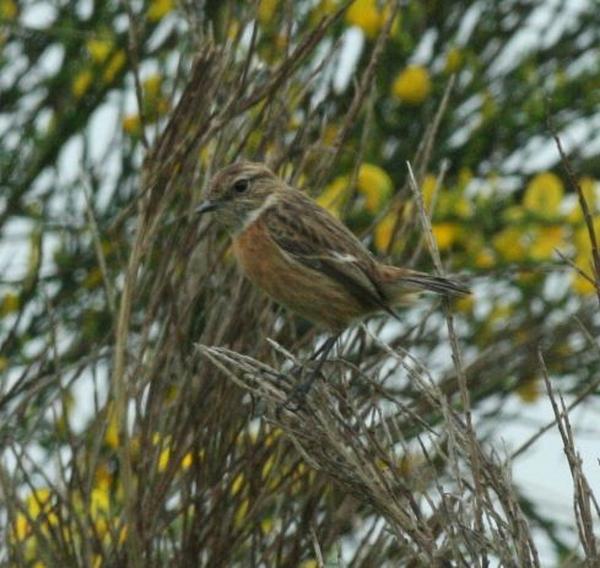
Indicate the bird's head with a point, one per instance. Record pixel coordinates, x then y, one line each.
239 193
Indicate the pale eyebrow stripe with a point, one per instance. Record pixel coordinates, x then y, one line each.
254 215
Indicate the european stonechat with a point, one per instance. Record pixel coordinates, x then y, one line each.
302 256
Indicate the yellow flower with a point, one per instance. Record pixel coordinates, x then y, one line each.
266 525
233 29
383 233
574 216
589 188
324 8
268 466
365 15
513 214
465 176
132 125
427 190
158 9
8 10
544 194
529 391
581 238
39 503
266 11
500 313
9 304
82 82
484 258
111 436
153 102
375 184
509 243
454 60
237 484
545 240
99 49
115 64
151 86
99 501
445 234
240 515
334 195
460 205
465 304
163 459
187 460
3 363
412 85
582 285
21 527
103 477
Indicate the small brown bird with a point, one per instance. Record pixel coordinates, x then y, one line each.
302 256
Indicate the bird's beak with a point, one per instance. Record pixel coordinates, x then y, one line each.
206 206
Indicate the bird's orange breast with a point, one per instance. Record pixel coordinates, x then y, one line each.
306 291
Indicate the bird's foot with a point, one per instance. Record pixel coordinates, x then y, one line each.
297 397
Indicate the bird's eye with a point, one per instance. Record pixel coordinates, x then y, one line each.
241 185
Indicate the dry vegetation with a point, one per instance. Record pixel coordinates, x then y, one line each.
382 464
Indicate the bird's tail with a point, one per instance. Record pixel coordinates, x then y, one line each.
399 284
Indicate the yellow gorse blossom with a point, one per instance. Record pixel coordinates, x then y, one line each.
10 303
529 391
365 15
99 48
589 188
510 244
545 240
158 9
369 17
82 82
114 66
581 285
266 11
111 436
454 60
375 184
384 231
412 85
132 124
428 189
372 182
8 9
151 86
163 459
322 9
484 258
38 503
446 234
544 194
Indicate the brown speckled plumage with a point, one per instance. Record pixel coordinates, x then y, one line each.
302 256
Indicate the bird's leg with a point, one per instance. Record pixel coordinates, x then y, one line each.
320 355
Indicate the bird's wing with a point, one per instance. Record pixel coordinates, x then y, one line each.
308 234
